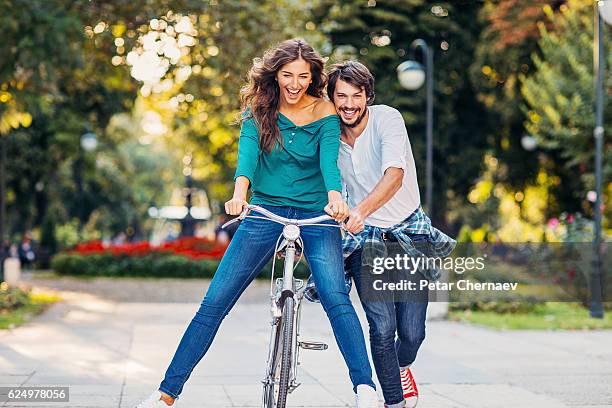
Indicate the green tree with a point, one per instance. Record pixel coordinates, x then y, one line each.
560 95
56 85
509 38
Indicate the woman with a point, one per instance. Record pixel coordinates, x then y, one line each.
287 154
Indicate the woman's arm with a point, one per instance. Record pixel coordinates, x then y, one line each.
329 144
248 150
237 204
248 157
385 189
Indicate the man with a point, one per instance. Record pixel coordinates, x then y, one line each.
379 175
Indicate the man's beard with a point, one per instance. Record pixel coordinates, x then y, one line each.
357 121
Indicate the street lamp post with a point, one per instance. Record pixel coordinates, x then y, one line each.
411 76
87 143
603 10
2 203
188 223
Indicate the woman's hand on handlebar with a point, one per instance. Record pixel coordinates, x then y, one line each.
337 208
235 206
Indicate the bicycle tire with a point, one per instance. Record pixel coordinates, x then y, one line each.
270 388
287 345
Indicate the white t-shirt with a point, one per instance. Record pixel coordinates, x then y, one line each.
384 143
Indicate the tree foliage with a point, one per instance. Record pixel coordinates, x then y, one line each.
503 52
560 95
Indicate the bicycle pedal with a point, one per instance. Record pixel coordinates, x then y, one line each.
293 386
312 345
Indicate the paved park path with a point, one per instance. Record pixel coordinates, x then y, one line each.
110 341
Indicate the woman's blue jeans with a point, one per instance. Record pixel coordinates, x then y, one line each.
249 251
387 317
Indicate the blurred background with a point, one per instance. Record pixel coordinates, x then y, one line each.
118 144
118 119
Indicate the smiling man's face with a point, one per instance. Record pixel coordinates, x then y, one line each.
350 102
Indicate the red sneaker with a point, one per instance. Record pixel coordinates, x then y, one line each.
411 393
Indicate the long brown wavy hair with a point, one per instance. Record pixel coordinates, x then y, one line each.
260 96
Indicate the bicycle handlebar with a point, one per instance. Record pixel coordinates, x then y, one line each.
281 220
285 221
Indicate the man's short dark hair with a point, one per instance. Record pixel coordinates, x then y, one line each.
354 73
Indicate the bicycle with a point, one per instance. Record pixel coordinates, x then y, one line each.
286 295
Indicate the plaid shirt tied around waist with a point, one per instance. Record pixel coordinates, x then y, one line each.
372 243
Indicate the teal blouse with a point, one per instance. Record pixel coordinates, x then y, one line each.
299 173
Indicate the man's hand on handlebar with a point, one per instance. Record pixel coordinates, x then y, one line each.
356 221
235 206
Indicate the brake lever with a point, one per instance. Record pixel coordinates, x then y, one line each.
241 217
243 213
230 222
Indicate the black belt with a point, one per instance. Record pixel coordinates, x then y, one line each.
388 237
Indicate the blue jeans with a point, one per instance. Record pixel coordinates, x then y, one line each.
386 318
249 251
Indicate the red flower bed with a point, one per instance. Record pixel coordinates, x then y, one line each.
190 247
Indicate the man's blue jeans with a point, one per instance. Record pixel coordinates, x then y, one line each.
249 251
386 318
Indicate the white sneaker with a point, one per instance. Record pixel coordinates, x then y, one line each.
154 401
366 397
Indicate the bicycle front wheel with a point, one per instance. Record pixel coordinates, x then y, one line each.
286 353
276 387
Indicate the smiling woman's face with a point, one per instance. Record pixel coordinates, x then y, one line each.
293 80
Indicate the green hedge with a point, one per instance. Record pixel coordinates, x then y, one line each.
156 265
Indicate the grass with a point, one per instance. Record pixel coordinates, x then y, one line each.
547 316
51 274
37 303
45 274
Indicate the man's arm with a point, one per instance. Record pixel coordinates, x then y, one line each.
385 189
393 138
